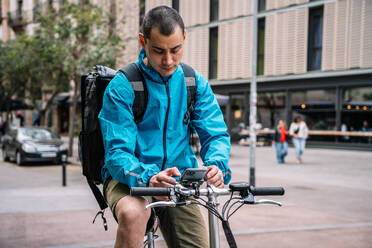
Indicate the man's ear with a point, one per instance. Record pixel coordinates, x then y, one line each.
184 35
142 40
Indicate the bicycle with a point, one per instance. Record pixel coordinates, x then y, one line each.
190 192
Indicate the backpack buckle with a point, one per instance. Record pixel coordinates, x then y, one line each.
102 213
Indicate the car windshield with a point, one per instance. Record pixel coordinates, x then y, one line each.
37 134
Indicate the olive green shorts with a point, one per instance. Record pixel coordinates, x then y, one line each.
181 226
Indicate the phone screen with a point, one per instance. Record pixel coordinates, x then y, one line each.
193 174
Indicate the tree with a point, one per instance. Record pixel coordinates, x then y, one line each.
48 74
77 37
15 68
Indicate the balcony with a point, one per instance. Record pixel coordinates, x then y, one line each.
16 20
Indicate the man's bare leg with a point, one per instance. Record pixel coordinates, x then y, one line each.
132 220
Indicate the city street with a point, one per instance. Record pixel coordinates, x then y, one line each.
328 203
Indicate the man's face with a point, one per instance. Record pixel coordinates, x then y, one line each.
164 53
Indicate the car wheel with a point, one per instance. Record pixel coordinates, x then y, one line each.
5 154
19 159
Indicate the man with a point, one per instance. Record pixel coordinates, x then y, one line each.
365 127
156 150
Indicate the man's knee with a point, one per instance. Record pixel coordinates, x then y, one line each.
132 210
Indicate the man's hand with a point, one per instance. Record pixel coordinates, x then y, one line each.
164 179
214 176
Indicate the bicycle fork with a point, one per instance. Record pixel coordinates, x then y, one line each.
150 239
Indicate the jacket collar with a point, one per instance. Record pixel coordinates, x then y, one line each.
150 72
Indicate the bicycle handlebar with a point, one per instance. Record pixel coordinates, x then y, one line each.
267 191
155 191
151 191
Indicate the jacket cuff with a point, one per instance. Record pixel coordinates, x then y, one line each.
148 181
147 175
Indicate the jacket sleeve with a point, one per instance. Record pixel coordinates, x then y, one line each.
119 132
305 130
209 123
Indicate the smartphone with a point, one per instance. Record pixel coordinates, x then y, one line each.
193 175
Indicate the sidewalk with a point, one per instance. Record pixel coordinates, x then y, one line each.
328 203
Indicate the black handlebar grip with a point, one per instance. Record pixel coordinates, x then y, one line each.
152 191
267 191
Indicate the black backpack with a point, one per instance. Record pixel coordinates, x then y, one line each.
91 149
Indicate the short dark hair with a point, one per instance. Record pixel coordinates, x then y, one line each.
164 18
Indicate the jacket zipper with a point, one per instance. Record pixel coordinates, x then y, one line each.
165 128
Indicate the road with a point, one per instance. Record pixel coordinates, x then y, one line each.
328 203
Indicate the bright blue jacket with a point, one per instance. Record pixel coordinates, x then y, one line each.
134 153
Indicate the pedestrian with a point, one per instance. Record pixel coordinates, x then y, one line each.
280 141
299 132
20 118
365 127
1 128
156 150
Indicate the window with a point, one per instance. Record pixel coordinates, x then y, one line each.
271 108
261 5
314 55
142 10
176 5
237 112
357 107
260 46
316 107
213 10
213 40
19 7
213 52
36 11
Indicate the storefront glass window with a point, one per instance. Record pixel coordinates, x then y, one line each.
237 113
357 113
317 109
270 108
237 109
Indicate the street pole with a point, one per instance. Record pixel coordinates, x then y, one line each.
64 159
253 98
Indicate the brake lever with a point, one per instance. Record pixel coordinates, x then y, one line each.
161 204
249 200
167 204
266 201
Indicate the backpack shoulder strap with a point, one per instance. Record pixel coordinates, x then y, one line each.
135 77
190 81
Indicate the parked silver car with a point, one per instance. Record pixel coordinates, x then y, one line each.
29 144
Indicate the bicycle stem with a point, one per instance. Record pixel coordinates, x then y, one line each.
214 234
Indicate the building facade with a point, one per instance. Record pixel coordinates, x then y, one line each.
314 58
